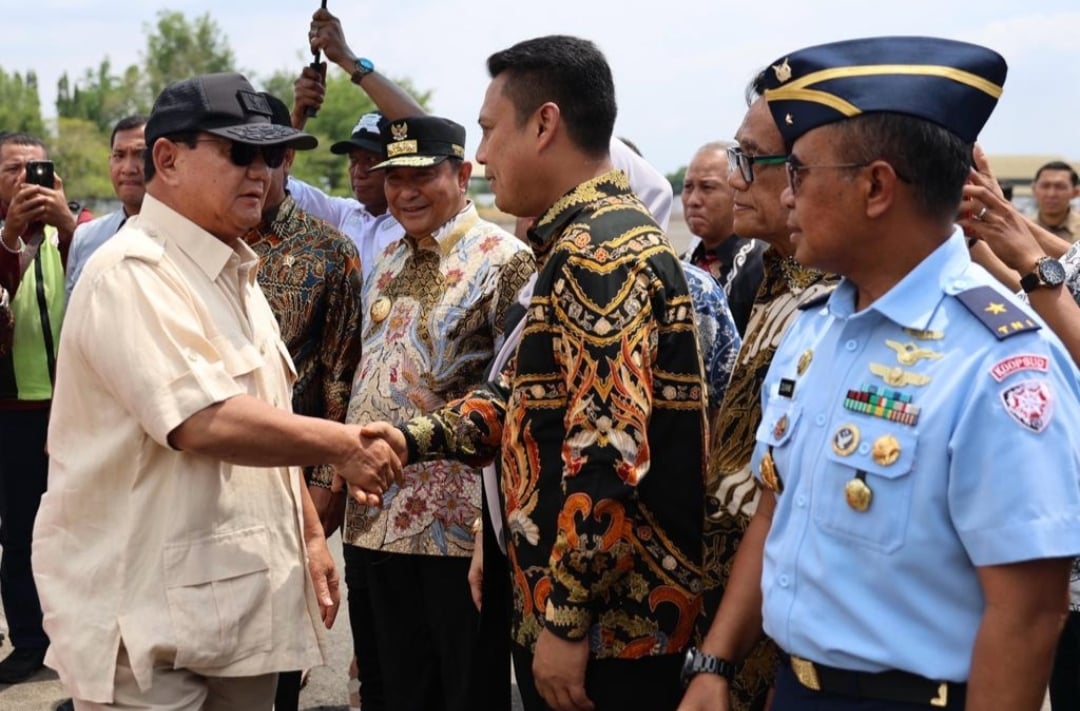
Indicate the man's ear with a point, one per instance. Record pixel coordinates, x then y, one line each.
881 185
548 120
464 173
166 158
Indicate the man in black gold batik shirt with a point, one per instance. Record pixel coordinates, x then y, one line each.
600 417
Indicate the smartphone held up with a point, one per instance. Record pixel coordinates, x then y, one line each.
41 172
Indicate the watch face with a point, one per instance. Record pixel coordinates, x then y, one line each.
1052 272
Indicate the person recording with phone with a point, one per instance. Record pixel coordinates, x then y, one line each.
36 226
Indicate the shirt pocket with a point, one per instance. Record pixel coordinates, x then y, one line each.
886 457
238 359
218 594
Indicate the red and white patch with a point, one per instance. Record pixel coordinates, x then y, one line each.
1030 403
1014 364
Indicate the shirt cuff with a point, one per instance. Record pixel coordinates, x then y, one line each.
567 620
322 476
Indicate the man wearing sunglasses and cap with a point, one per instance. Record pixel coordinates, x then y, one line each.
920 504
179 557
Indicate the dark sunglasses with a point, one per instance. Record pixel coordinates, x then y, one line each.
243 154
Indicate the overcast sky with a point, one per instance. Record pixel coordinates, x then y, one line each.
680 67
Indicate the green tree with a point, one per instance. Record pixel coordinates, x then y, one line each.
344 105
20 106
177 49
101 96
676 179
81 153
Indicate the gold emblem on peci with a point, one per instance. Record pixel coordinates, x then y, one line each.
399 131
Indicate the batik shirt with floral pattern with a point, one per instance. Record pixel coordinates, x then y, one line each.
434 312
601 421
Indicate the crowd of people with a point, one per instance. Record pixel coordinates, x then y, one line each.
819 461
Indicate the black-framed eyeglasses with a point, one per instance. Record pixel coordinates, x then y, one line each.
795 169
744 162
243 154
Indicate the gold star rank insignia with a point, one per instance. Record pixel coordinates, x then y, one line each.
996 308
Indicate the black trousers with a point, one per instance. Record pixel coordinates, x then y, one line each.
426 629
495 614
793 696
613 684
362 623
1065 679
24 472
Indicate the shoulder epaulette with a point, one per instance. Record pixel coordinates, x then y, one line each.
815 301
1002 317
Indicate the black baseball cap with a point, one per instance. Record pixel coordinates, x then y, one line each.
366 135
225 105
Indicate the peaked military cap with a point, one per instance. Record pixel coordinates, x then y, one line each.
953 84
420 141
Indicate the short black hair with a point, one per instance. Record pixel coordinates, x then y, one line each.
20 138
126 124
933 160
568 71
187 138
1058 165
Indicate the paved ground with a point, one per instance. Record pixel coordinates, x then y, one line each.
326 689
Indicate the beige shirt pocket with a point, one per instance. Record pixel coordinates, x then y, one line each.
218 594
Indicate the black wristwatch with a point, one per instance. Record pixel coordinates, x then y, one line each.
698 662
1048 272
363 68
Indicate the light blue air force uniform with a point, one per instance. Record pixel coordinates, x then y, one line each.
980 468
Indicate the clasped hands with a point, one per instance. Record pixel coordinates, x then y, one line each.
374 464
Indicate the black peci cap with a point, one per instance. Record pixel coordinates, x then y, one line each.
420 141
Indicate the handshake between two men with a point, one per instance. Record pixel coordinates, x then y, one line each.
370 470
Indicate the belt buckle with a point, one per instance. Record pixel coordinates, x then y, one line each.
806 673
942 699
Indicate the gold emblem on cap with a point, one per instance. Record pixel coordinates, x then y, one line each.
380 309
780 428
858 493
789 119
897 376
804 361
400 131
886 450
924 335
782 71
911 353
846 440
769 474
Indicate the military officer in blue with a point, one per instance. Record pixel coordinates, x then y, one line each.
912 548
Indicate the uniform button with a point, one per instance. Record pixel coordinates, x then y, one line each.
783 580
864 448
820 419
851 345
192 357
800 501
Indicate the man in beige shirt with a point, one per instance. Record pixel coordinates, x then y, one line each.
178 556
